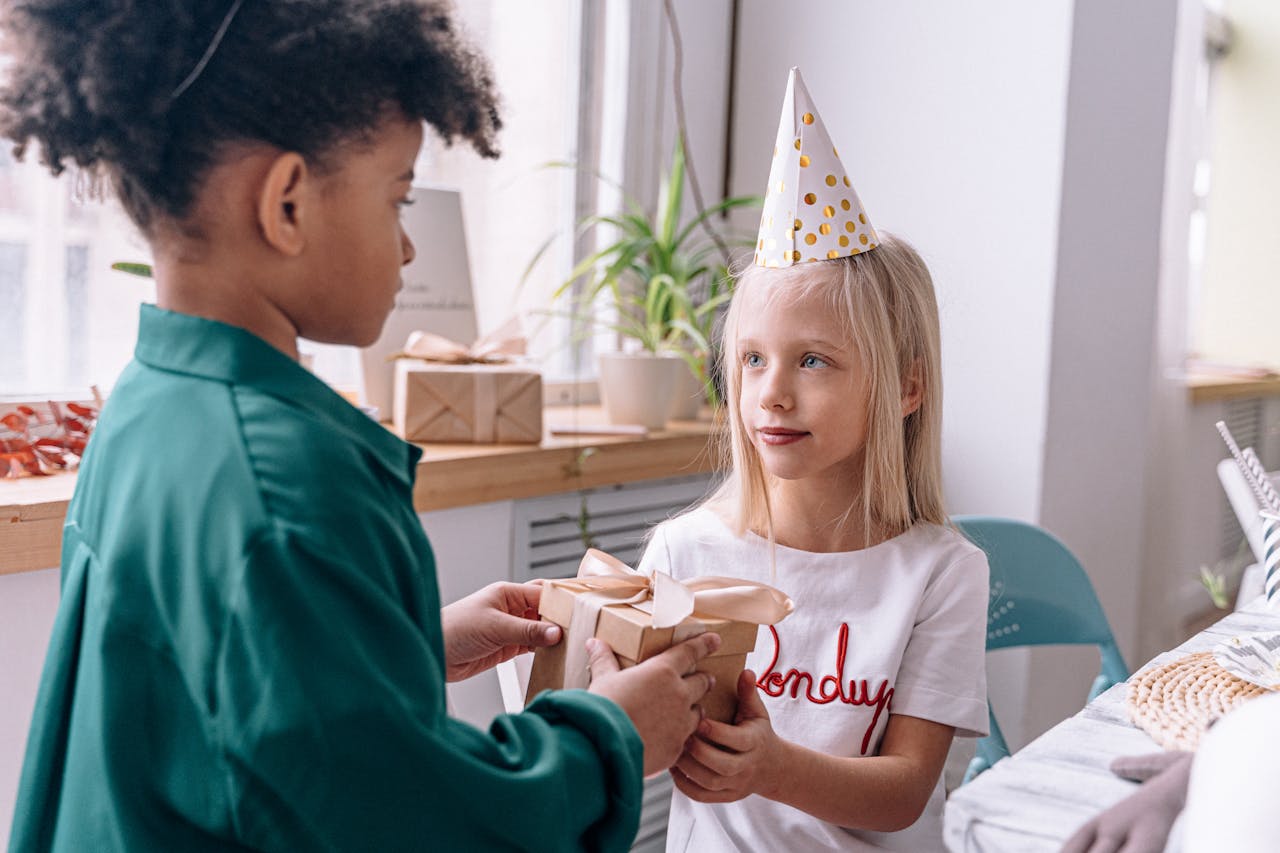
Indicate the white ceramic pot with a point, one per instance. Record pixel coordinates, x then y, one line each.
688 396
636 388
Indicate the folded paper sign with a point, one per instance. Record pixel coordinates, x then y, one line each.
448 392
639 616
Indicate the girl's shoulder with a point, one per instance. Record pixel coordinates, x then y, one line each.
943 539
698 542
930 548
701 525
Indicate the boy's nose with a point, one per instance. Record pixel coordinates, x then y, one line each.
407 252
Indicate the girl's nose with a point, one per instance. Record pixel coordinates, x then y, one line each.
775 394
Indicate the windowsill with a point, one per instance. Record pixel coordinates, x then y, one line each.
449 476
1208 388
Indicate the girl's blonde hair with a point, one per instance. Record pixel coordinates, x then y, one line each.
885 298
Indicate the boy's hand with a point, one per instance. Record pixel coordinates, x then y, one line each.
723 763
491 626
660 695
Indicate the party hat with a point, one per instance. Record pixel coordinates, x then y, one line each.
811 211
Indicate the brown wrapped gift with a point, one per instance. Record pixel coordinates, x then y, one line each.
628 626
481 403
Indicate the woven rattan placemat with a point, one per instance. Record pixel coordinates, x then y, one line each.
1175 702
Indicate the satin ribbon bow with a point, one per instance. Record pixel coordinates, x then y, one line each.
506 343
604 580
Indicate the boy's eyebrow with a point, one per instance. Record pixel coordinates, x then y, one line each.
407 176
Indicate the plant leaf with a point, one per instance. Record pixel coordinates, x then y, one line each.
133 268
726 204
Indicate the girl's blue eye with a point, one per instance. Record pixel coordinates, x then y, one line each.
813 361
752 359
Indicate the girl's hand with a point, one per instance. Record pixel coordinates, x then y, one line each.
723 763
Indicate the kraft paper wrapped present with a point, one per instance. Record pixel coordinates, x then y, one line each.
639 617
481 403
448 392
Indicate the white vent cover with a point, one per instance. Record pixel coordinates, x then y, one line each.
550 534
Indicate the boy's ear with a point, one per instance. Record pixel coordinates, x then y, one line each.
281 207
912 388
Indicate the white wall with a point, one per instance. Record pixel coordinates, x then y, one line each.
28 602
1104 315
472 548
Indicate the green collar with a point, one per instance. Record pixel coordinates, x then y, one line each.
183 343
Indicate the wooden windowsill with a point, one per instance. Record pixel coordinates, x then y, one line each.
450 475
1208 388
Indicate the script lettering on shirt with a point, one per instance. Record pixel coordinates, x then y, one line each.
830 687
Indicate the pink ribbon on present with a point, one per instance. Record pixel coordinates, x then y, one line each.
506 343
609 581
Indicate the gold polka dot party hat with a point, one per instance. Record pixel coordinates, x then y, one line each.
811 211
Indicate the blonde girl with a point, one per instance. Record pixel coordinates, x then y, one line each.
834 493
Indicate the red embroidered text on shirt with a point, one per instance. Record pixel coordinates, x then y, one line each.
830 687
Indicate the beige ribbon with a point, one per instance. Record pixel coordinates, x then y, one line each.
506 343
484 406
604 580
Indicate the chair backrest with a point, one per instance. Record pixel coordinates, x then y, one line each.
1040 595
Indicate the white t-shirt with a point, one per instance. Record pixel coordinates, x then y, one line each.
899 627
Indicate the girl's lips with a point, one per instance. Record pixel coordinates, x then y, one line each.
776 437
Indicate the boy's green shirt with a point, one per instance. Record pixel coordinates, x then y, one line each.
248 652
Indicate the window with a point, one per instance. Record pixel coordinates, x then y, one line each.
512 205
1237 303
67 320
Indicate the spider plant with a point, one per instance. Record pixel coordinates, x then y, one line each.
665 279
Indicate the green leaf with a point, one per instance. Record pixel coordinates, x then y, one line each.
133 268
693 333
671 198
718 207
533 262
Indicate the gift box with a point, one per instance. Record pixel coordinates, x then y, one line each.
637 623
481 403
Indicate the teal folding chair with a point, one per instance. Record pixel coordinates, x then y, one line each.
1040 596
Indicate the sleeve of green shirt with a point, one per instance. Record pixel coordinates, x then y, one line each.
330 710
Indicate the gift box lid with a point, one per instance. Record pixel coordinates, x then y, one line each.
628 630
415 365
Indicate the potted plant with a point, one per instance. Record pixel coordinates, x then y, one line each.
663 282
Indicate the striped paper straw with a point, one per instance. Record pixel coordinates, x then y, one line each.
1264 482
1271 558
1249 477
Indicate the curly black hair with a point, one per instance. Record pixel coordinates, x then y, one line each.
93 83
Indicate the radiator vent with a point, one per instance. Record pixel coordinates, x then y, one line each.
549 537
551 534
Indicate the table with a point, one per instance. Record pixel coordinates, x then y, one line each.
1034 800
449 476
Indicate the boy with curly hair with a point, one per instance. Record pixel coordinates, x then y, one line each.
250 651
